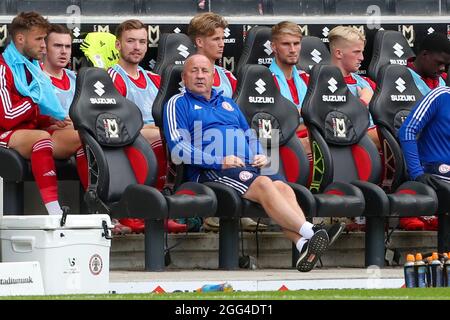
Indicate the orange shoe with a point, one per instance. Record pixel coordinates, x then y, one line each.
412 223
172 226
136 225
431 222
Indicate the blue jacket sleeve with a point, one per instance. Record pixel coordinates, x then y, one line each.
419 117
176 131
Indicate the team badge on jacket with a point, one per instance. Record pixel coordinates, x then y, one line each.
227 106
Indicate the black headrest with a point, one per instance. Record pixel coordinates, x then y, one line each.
329 105
262 104
313 52
257 48
170 86
389 47
394 98
173 48
101 110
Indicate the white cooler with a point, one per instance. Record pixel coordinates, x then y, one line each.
73 258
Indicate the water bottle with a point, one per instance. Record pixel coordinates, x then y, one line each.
447 270
421 271
436 271
410 274
224 287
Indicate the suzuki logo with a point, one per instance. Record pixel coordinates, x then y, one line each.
268 48
332 85
177 30
398 50
226 32
260 86
325 31
76 32
430 30
152 64
183 50
400 84
316 56
99 88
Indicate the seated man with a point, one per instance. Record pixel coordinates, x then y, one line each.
425 140
207 32
26 95
141 87
234 156
428 67
347 47
293 83
428 70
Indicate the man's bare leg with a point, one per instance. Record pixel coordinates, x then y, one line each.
265 192
66 142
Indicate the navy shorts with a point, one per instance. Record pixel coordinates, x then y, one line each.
239 179
440 170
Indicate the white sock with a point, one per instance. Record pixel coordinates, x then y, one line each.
306 230
300 243
53 207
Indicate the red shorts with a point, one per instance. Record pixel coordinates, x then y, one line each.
6 135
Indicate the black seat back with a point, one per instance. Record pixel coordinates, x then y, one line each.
313 52
267 110
394 98
337 122
173 48
109 126
389 47
257 48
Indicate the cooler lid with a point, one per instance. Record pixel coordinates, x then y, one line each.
48 222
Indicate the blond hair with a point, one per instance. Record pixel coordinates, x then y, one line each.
340 33
205 24
286 27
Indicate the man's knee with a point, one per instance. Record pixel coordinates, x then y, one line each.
283 187
262 184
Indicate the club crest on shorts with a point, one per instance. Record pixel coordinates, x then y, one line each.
227 106
245 175
444 168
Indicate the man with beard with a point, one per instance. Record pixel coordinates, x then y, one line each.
141 87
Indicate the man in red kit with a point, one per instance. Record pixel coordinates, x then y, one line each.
26 94
55 61
207 32
141 87
286 38
428 67
346 48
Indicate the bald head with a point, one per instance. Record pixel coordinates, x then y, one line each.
198 75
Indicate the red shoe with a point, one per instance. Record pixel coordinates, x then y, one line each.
430 222
136 225
119 229
355 227
172 226
410 224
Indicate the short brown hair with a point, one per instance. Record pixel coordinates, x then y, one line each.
25 21
286 27
204 24
58 28
132 24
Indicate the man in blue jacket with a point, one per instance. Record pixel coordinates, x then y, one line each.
210 135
